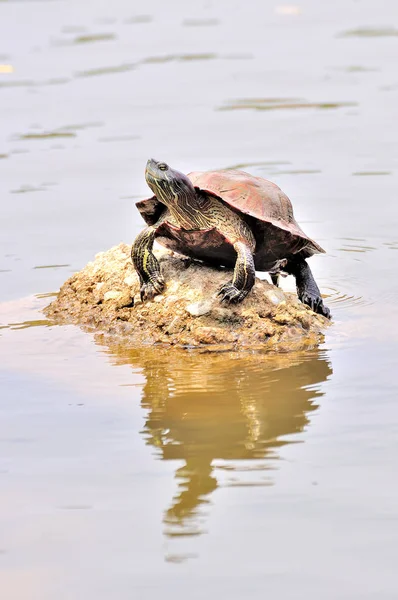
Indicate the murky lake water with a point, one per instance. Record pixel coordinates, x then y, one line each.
139 474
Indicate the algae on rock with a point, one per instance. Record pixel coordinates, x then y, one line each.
105 296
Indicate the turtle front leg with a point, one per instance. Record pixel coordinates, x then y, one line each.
244 275
307 289
146 264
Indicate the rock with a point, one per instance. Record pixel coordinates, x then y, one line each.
112 295
105 296
177 325
198 309
214 335
275 296
129 280
121 298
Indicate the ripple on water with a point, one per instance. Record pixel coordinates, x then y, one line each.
66 131
20 151
200 22
51 266
391 245
26 189
55 81
179 558
42 135
264 163
106 70
17 83
180 57
236 484
47 295
138 19
161 59
297 172
79 126
271 167
281 104
30 324
340 301
368 32
371 173
91 38
33 188
29 83
355 69
355 245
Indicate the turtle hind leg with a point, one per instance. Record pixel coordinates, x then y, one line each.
275 279
307 289
244 276
146 264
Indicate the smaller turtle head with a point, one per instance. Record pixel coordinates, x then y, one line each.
167 184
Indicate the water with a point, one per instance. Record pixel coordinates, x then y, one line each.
130 473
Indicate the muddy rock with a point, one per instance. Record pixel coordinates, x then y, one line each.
105 296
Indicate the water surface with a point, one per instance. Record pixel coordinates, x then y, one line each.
152 473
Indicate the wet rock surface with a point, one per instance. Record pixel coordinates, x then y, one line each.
105 296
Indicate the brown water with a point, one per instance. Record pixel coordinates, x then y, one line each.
145 474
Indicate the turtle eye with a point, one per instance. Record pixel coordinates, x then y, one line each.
163 166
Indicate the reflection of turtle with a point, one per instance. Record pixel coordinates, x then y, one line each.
228 218
226 407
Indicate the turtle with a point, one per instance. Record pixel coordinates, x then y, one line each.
227 218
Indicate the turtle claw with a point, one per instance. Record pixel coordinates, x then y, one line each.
316 304
231 295
153 287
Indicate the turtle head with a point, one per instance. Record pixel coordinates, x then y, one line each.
167 185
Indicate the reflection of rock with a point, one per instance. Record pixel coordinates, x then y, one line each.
235 407
105 296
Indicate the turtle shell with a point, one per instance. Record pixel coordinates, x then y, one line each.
262 203
253 196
